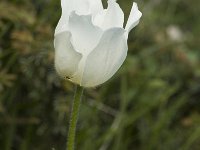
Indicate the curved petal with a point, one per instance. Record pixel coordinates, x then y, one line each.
113 16
103 62
63 22
134 17
85 7
95 6
82 7
85 36
66 58
98 19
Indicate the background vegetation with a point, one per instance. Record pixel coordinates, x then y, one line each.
152 103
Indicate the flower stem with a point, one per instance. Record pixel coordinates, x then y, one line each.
74 118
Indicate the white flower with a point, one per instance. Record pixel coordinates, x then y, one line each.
90 42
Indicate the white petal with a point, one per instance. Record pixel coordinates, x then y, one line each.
95 6
81 7
63 22
66 58
98 19
113 16
86 7
134 18
85 36
103 62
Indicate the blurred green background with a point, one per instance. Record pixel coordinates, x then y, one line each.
152 103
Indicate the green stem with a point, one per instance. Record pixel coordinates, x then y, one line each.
74 118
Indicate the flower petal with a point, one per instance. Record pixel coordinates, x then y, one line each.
134 18
102 63
113 16
66 58
63 22
95 6
85 36
81 7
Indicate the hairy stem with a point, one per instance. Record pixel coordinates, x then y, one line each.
74 118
